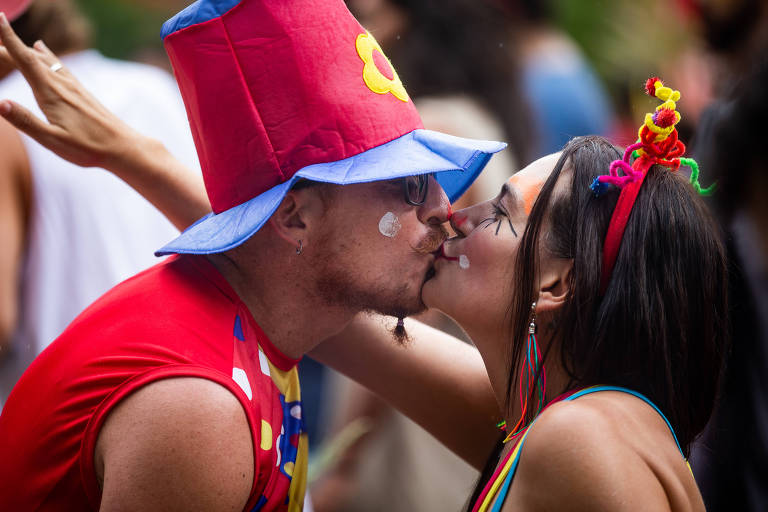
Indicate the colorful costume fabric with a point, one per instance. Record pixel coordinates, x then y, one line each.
178 319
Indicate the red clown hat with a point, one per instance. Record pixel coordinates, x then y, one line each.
280 90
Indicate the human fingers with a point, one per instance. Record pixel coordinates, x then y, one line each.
5 59
24 120
48 58
25 58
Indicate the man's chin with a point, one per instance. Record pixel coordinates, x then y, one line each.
402 309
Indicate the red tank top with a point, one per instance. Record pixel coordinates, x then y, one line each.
177 319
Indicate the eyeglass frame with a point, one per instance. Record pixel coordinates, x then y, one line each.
424 189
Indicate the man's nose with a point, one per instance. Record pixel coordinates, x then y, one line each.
436 208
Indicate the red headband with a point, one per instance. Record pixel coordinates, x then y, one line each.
658 144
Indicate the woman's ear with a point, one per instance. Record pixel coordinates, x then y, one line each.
298 216
554 284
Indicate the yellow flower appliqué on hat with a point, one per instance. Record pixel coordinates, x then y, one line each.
377 67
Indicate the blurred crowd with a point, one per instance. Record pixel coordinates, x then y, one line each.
534 73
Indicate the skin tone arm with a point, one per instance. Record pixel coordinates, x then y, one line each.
436 380
14 211
81 130
177 444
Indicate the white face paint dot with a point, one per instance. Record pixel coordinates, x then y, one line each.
464 261
389 225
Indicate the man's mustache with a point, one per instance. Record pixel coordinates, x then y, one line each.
432 241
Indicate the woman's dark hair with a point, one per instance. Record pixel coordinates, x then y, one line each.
661 327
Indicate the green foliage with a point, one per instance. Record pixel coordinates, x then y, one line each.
123 29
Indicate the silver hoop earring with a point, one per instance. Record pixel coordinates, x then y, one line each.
299 249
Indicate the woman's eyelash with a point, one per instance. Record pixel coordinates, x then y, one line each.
498 212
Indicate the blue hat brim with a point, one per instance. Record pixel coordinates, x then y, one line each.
455 160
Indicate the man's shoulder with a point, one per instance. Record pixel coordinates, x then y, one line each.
193 427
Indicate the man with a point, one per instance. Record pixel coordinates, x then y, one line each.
69 234
178 388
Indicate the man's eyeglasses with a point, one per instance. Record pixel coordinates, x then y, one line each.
416 188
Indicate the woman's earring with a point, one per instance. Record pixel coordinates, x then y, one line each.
533 375
300 248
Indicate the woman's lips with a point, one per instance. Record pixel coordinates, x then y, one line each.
441 254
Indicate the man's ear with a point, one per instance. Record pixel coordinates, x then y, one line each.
554 284
298 216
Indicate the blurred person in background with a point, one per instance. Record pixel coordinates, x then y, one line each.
564 95
68 234
731 459
736 32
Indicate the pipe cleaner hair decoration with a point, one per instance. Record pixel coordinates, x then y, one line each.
657 144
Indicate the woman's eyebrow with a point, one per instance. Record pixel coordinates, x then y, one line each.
509 194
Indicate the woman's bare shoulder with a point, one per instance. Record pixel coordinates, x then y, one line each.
581 455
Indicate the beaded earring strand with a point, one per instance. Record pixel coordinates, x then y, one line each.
534 375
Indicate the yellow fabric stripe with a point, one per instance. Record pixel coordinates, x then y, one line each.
503 474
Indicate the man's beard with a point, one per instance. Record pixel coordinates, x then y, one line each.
338 285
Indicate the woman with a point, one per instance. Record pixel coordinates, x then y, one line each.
527 279
658 329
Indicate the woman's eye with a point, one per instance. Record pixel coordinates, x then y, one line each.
499 215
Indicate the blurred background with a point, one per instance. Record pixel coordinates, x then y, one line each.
534 74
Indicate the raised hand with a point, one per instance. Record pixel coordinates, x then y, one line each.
80 129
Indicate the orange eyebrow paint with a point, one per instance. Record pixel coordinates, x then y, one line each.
529 190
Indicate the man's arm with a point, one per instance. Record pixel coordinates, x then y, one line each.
177 444
82 131
14 212
436 380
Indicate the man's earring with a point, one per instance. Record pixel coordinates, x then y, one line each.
300 248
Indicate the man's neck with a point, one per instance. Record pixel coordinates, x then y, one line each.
294 318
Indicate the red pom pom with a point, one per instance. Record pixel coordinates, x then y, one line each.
650 86
664 118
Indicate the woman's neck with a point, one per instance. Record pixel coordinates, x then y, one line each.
494 347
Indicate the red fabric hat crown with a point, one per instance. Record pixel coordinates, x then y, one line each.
272 86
